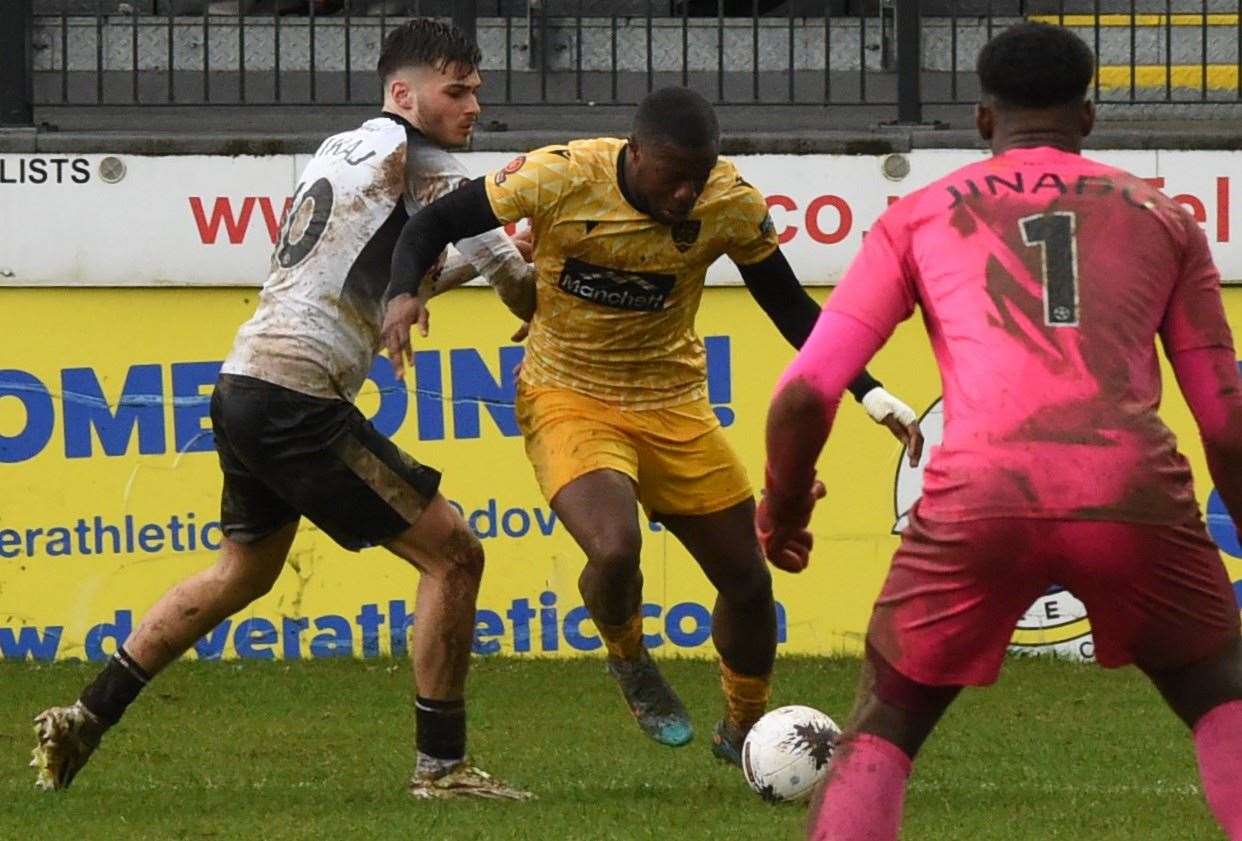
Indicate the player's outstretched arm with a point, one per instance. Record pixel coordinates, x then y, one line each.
506 269
465 212
1199 345
464 216
773 285
457 271
799 421
514 281
1209 380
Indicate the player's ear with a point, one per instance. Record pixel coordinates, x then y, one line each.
397 89
985 120
1087 117
401 91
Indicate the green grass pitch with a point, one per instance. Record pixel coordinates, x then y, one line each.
320 750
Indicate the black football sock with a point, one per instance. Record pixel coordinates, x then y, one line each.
440 728
115 688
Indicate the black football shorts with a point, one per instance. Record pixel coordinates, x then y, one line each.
285 455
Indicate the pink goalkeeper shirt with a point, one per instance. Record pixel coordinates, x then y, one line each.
1044 279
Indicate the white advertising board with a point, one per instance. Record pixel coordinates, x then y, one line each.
128 220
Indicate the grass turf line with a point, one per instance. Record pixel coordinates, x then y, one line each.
321 749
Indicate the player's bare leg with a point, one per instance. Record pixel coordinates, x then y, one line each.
743 619
243 572
600 511
450 560
863 794
1207 695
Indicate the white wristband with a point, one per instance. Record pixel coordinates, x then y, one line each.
879 404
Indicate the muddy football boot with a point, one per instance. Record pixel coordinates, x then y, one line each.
656 707
67 736
463 780
727 743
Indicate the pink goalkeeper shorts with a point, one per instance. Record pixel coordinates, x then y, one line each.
1156 595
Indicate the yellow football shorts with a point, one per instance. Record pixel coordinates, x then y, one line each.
677 456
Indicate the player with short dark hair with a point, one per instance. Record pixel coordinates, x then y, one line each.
425 42
677 116
612 393
1035 66
1044 279
291 442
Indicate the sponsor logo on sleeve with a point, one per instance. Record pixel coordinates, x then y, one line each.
509 168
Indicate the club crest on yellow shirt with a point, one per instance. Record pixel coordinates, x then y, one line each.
686 234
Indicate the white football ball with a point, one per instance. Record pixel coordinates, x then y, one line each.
788 751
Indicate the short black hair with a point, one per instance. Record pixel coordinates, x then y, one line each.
424 42
1036 65
678 116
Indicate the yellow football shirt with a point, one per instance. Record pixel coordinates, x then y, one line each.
618 291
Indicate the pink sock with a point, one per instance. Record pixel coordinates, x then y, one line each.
1218 742
866 787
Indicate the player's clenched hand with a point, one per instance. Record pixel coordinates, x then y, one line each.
525 242
887 410
781 526
400 316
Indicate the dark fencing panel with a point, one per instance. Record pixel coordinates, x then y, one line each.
901 54
16 64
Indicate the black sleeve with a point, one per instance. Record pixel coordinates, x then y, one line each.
463 213
774 286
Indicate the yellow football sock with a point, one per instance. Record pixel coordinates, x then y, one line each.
624 641
746 697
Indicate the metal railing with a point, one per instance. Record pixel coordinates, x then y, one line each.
898 54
